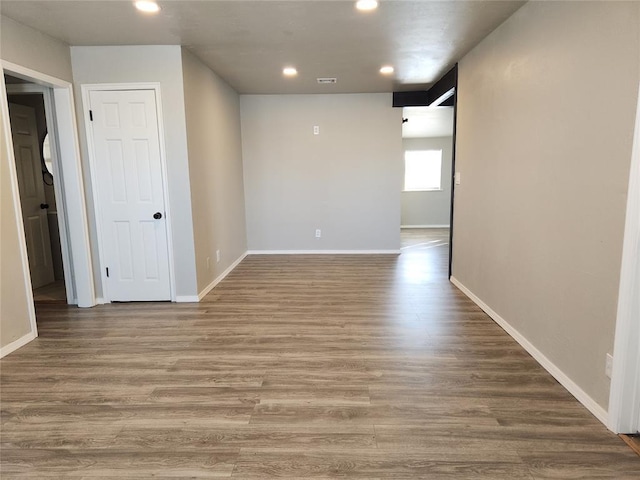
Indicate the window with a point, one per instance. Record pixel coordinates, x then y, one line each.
422 170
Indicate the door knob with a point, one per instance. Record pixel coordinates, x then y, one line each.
157 215
44 206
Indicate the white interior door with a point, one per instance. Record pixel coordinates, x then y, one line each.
32 198
128 170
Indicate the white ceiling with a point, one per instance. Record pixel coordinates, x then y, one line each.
249 42
427 122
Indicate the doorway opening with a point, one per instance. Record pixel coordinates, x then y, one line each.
33 132
68 191
427 139
67 177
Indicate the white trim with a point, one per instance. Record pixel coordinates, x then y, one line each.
425 226
165 189
624 396
28 74
16 344
187 299
86 106
101 301
17 212
75 202
588 402
221 277
323 252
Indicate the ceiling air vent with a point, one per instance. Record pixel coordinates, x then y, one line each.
327 80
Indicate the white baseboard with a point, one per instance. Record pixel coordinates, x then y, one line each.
324 252
101 301
221 277
564 380
187 299
424 226
16 344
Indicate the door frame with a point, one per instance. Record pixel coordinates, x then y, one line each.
30 89
17 211
624 399
73 205
86 103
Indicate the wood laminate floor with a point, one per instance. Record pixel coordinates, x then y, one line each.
367 367
51 293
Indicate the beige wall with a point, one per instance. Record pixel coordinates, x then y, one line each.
215 169
345 181
429 208
28 48
154 64
14 298
545 122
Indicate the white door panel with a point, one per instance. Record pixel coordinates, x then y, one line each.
26 148
130 192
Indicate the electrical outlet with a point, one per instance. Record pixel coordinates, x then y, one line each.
318 233
608 365
208 263
316 130
217 256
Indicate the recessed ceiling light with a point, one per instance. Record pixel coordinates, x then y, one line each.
289 71
367 5
386 70
147 6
